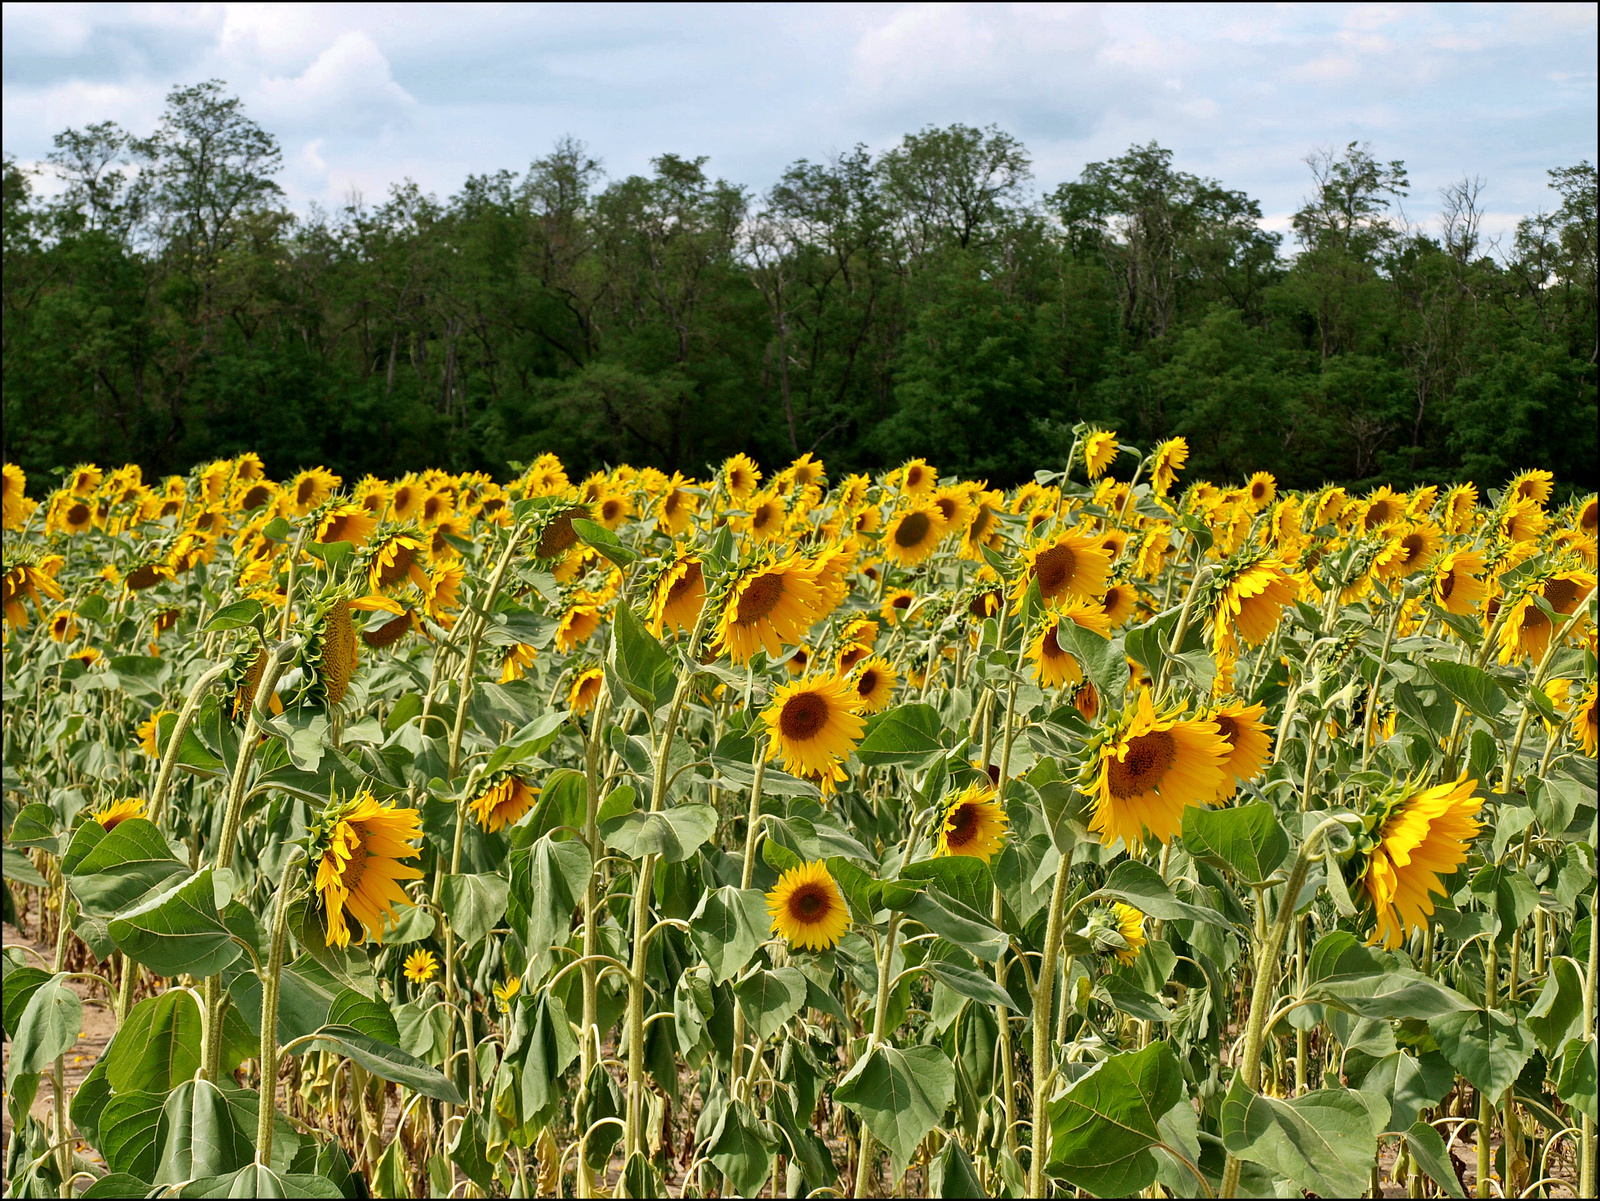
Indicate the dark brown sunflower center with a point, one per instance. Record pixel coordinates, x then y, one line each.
914 477
1378 513
684 584
1589 520
306 490
1562 595
947 506
912 530
78 514
760 596
763 517
1054 569
1533 618
851 655
143 577
803 715
398 567
357 866
1228 728
1051 647
1447 585
1145 765
868 683
900 602
1414 545
1257 490
961 827
809 904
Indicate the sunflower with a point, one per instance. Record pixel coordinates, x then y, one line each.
1129 925
546 477
678 596
506 991
768 606
1249 599
1531 485
741 476
16 508
85 478
577 625
1069 565
916 478
421 966
1170 457
1460 507
983 527
1456 586
1056 665
112 815
867 520
874 684
1585 719
248 680
895 604
309 489
1119 602
1151 768
974 823
766 517
805 477
1588 518
516 660
1086 700
1329 508
585 690
912 535
442 596
1381 508
63 625
503 803
1155 547
813 723
1566 590
676 508
26 580
1522 521
1260 491
1099 451
149 733
1249 742
363 843
1421 838
807 907
393 561
849 655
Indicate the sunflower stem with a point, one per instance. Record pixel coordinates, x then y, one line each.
211 1040
746 875
1377 679
288 588
169 758
997 913
1266 965
591 909
270 983
1043 997
474 638
1491 981
1586 1170
1181 630
868 1158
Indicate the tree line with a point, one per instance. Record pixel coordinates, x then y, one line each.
164 306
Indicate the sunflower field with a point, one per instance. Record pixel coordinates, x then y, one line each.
777 836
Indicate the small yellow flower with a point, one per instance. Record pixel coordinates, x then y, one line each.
421 966
807 907
505 993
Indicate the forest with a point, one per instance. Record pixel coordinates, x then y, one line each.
164 306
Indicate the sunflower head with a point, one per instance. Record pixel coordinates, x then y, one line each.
112 815
506 992
502 801
421 966
149 733
329 657
1414 839
357 845
766 605
972 823
1148 768
807 907
1070 565
1099 451
1117 930
1170 457
551 534
813 723
912 535
678 594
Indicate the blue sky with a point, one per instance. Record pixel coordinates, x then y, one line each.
361 96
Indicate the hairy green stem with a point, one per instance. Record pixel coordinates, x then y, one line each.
867 1159
169 758
1044 991
270 984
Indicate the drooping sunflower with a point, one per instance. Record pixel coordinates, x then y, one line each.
1522 521
676 508
85 478
1460 508
1532 485
503 802
678 596
983 528
394 561
585 690
1119 603
913 535
1069 565
330 657
1170 457
421 966
974 823
1382 507
1129 925
1418 547
1249 598
515 661
807 907
741 476
769 605
1249 741
506 991
874 684
1099 451
1586 721
813 724
25 579
245 680
112 815
345 523
362 843
1420 838
1150 769
63 625
1566 590
1456 586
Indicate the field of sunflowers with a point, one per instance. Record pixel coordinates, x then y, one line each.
773 835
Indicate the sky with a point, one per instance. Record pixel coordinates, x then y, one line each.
362 96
